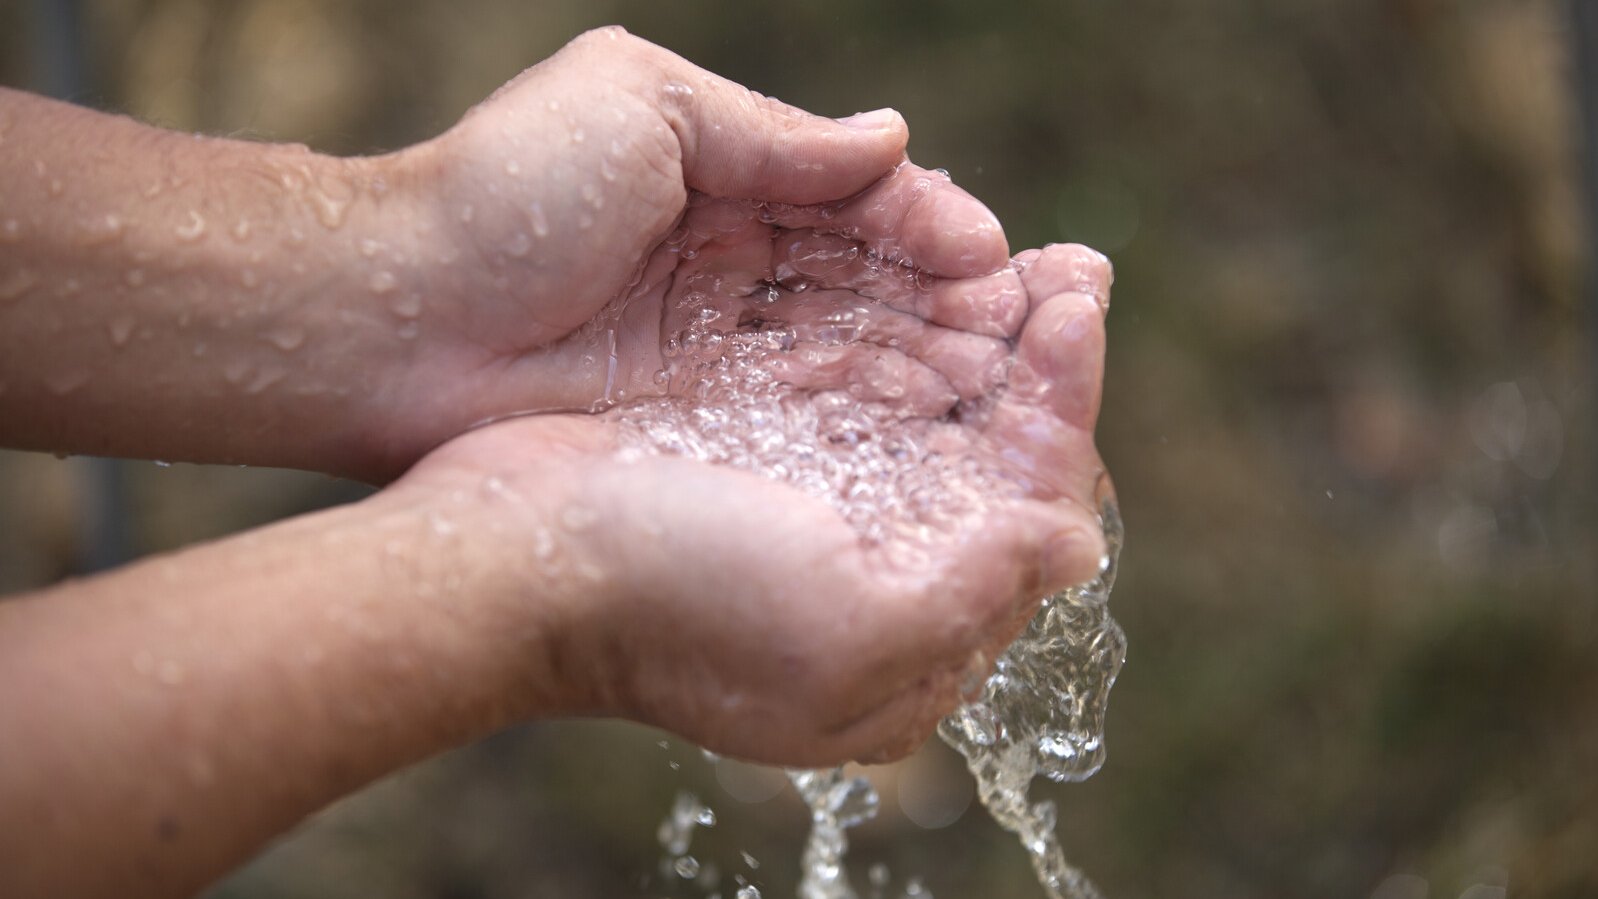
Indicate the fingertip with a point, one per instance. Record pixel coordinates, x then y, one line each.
1062 268
885 123
950 233
1074 555
1063 344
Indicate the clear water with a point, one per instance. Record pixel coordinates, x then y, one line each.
1041 711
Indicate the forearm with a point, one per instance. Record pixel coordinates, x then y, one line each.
170 296
159 724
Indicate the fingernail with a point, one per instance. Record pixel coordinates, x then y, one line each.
875 120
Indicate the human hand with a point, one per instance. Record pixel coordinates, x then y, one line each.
755 616
554 218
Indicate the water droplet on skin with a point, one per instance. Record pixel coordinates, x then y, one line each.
408 331
249 279
63 383
513 168
578 518
407 306
676 90
592 196
294 238
134 277
748 892
607 169
518 245
120 328
369 247
10 231
241 230
287 338
540 222
331 202
15 283
468 212
554 106
56 187
265 378
103 229
577 135
236 370
543 545
192 228
584 221
382 281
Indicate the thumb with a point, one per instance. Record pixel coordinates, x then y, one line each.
738 144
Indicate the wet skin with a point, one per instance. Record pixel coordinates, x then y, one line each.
176 714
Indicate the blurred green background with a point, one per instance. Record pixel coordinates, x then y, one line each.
1348 409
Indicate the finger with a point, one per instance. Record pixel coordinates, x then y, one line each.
1067 268
867 374
971 363
737 143
994 304
1060 359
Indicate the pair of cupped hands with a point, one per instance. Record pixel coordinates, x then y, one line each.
717 604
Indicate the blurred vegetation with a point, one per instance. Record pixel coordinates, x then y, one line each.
1349 411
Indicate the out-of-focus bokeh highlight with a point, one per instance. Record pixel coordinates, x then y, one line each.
1349 412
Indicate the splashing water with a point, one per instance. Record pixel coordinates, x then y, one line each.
1042 709
1042 712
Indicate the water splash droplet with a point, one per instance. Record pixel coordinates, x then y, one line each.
540 222
192 228
63 383
103 229
120 328
287 338
407 306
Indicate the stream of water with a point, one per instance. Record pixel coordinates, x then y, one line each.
1040 712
